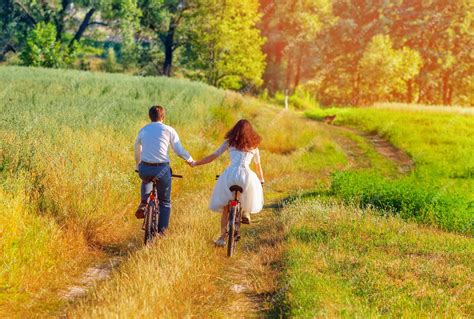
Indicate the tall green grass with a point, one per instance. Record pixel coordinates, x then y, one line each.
441 146
408 198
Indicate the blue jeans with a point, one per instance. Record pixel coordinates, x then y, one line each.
163 174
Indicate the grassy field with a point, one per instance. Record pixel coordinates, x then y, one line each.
66 166
67 171
439 189
68 193
347 262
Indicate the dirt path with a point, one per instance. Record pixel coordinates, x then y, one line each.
381 145
253 277
388 150
357 157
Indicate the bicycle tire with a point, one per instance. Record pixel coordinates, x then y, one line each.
148 224
237 223
231 239
155 220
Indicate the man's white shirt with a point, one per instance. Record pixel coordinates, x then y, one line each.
155 139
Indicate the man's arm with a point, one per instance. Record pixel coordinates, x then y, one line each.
178 148
138 151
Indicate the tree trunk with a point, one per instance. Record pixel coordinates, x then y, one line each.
409 96
83 27
168 43
59 20
446 89
168 63
27 14
356 96
289 73
298 70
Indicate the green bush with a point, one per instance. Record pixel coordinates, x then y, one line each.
299 100
110 64
43 50
406 197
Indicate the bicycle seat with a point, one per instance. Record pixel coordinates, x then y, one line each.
236 188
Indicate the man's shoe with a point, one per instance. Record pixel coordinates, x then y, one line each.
220 242
246 218
140 213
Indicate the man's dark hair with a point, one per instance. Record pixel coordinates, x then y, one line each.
156 113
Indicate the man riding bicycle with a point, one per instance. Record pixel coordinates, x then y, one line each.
151 156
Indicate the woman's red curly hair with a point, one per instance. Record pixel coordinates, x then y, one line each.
243 137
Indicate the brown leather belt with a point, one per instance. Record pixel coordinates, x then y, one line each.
154 164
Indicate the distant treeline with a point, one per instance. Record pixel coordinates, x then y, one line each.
340 52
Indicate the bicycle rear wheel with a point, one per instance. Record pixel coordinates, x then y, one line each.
231 239
148 224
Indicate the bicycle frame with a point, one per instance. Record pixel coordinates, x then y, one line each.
152 213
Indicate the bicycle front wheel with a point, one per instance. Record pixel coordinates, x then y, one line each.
231 239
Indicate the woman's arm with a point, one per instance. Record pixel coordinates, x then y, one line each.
206 160
213 156
258 166
259 171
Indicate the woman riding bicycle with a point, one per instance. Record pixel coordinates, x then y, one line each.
242 142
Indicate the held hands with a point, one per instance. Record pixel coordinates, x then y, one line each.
192 163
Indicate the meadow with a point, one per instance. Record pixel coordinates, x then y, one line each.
438 190
67 175
68 192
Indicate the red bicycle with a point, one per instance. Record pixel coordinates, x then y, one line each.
152 212
235 218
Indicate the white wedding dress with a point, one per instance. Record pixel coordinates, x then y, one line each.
238 173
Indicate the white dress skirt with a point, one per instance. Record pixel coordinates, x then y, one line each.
238 173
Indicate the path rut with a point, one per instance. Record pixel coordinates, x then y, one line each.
381 145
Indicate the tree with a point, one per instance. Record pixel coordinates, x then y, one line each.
227 46
13 26
442 32
167 20
64 14
291 27
385 71
129 14
44 50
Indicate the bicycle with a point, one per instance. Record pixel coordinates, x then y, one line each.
235 218
152 212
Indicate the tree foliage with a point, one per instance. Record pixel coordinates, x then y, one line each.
440 32
291 27
227 46
385 71
344 52
44 50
